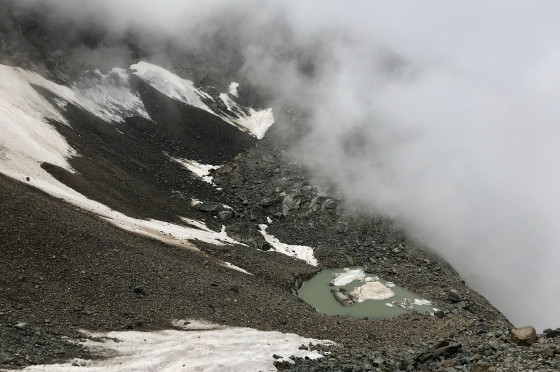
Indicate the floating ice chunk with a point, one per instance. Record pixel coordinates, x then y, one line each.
201 346
390 284
298 251
348 277
372 291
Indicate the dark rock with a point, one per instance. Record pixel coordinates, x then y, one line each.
276 356
225 215
453 296
265 246
483 367
269 201
138 289
330 204
547 353
439 345
447 350
550 333
424 357
208 207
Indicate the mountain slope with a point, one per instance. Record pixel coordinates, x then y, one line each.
132 198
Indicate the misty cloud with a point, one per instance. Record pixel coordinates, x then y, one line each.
443 116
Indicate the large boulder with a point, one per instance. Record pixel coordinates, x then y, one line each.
525 336
483 367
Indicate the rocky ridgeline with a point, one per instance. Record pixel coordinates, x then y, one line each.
496 352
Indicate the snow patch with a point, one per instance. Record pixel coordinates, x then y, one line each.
201 346
200 170
232 89
255 122
298 251
232 266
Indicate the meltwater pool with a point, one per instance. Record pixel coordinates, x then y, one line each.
355 293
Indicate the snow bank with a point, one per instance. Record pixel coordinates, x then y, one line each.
298 251
200 347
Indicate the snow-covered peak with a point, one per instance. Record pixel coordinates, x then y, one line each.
255 122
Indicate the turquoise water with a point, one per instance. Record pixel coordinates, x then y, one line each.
317 292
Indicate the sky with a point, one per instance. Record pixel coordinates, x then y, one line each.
442 115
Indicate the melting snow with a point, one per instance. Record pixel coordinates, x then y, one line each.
298 251
200 170
201 346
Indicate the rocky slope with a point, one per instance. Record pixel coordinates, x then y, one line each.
68 264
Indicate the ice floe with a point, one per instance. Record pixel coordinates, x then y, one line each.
348 277
372 291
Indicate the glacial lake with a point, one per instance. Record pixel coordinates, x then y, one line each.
354 293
